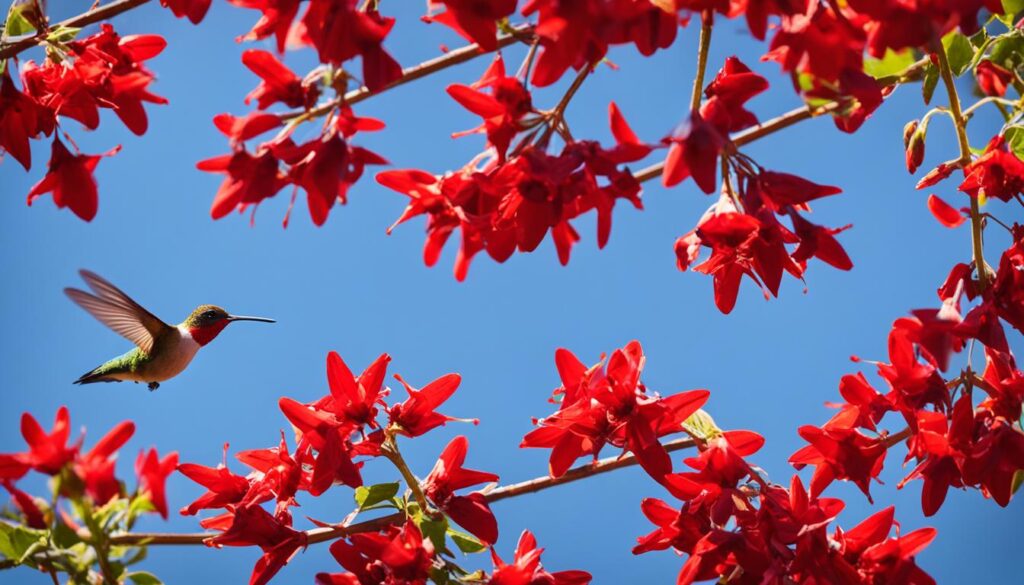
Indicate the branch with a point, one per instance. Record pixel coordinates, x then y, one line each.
704 44
450 59
323 534
960 122
82 20
790 118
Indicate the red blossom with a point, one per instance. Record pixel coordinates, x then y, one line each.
945 213
251 525
609 405
876 558
398 555
250 179
21 118
224 487
417 415
69 177
95 467
194 10
153 472
279 474
340 31
526 569
997 173
27 505
1008 287
578 34
993 79
276 19
502 108
474 20
840 453
448 476
278 83
47 452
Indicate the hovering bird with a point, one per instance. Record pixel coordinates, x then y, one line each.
162 351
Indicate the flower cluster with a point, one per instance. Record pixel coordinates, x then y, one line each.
957 439
77 79
87 494
335 436
735 526
609 405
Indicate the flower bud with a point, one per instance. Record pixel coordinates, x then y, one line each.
908 132
915 152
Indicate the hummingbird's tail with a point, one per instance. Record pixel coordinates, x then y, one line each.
94 376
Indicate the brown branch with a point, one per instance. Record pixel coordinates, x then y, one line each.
323 534
449 59
790 118
82 20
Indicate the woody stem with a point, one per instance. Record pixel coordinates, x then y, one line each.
960 122
88 17
324 534
706 20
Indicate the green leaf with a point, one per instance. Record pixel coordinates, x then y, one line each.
62 34
1008 50
959 51
17 23
1012 7
435 530
144 578
367 496
467 543
18 541
890 65
929 83
1014 136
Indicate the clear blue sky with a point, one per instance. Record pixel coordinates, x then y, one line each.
351 288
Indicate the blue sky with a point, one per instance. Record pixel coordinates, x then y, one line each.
349 287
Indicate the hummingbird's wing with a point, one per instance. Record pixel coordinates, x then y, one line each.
112 307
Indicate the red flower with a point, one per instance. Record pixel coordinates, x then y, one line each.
153 472
469 511
48 452
527 570
914 384
110 67
69 177
863 403
993 79
355 399
719 469
947 215
323 431
278 83
340 31
880 559
783 190
996 173
502 108
195 10
937 446
474 20
1005 385
278 474
276 19
417 415
96 468
21 118
224 488
611 406
253 526
1008 287
250 179
840 453
397 555
29 507
577 34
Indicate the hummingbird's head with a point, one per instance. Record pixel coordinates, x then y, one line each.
207 321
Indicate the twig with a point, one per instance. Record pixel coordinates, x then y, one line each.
88 17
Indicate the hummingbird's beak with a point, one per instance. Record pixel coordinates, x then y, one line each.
245 318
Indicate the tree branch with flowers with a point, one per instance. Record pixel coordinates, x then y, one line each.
959 422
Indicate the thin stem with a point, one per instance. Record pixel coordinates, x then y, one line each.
88 17
898 437
556 115
960 122
390 451
706 20
450 59
324 534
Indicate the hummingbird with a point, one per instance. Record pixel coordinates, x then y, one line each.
161 351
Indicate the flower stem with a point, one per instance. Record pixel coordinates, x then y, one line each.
88 17
706 20
960 122
555 116
324 534
390 451
449 59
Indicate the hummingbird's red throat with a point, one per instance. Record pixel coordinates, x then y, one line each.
204 335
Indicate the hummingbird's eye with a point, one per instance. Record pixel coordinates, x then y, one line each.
210 314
